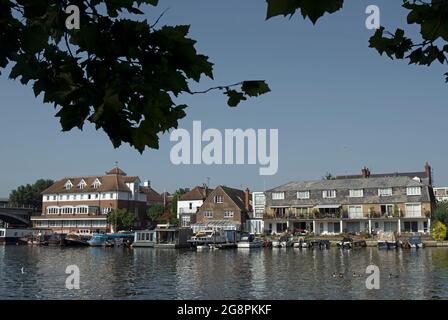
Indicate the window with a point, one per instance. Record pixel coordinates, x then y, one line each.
68 185
355 212
278 195
228 214
208 214
356 193
54 198
413 210
190 205
107 210
303 195
329 194
96 184
259 199
385 192
387 209
219 199
82 184
413 191
410 226
111 195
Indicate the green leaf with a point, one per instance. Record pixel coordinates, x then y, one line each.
311 9
235 97
255 88
281 7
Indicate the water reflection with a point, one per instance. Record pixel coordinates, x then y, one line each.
108 273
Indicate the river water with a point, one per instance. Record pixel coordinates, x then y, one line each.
119 273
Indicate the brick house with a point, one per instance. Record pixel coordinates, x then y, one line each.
81 204
225 208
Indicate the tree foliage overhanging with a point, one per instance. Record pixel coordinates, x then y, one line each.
120 74
430 15
123 74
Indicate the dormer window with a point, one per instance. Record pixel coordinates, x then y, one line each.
413 191
82 184
329 194
68 185
96 184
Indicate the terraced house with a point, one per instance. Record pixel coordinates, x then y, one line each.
81 204
399 202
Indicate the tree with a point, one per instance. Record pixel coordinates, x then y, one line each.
119 74
438 231
175 197
155 212
441 213
328 176
29 194
121 219
430 16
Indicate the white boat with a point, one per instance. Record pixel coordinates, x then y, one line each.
144 238
250 241
208 237
283 242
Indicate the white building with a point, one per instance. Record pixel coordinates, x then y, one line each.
441 193
255 223
189 204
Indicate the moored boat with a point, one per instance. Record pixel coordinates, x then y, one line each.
208 237
144 239
249 241
345 243
283 242
415 242
57 239
387 240
75 240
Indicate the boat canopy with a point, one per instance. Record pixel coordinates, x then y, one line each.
217 224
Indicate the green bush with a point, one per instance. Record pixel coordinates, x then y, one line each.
438 231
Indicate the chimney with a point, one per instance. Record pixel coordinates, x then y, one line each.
365 172
428 171
205 186
246 199
147 183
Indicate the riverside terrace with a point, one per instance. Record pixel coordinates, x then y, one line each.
362 204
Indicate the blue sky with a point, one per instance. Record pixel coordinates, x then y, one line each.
338 104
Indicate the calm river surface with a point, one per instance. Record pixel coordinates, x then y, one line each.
117 273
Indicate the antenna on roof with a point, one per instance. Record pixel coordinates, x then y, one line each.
208 181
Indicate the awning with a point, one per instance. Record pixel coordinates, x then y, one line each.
328 206
216 224
302 206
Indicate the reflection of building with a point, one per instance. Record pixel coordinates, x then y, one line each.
441 193
81 204
189 204
396 202
255 223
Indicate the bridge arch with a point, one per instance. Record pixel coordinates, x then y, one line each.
14 218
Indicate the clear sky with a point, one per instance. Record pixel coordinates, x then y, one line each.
338 104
